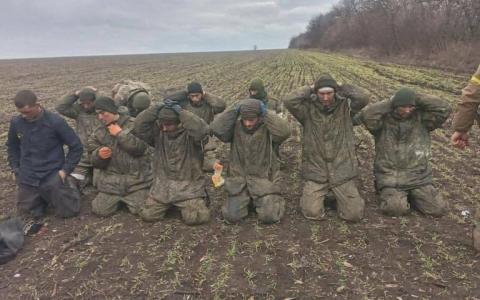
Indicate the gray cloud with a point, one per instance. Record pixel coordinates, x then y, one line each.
37 28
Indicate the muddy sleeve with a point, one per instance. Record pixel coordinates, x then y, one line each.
223 126
277 127
218 104
130 143
68 107
359 97
196 127
297 103
467 108
93 145
434 110
373 115
145 122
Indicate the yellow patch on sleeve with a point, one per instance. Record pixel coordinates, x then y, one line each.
475 79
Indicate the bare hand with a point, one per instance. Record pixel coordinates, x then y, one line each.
62 175
104 152
114 129
459 139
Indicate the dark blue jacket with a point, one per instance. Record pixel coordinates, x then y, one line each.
35 149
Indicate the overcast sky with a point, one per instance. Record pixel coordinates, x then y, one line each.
42 28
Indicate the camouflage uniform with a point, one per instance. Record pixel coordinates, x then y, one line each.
178 177
253 171
467 113
329 161
467 109
402 154
126 176
131 96
86 122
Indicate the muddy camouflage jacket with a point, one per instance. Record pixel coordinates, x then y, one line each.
253 160
211 105
467 109
403 147
86 122
328 137
178 156
129 167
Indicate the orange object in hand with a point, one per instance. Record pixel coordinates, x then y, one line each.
217 178
104 152
114 129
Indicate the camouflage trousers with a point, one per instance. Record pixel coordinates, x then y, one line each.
84 171
350 205
270 208
107 204
426 199
210 154
194 211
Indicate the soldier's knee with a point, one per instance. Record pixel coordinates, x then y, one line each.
196 216
231 216
102 212
312 208
272 209
148 215
353 214
395 207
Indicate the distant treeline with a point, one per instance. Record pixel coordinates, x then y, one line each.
392 27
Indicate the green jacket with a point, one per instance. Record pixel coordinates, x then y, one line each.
129 167
178 156
328 137
86 122
403 147
253 160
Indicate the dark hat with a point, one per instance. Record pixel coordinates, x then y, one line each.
167 114
106 104
403 97
250 109
86 94
25 98
257 85
325 80
194 87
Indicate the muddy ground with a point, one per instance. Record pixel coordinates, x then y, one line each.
121 257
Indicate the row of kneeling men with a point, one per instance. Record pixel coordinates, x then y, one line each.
151 157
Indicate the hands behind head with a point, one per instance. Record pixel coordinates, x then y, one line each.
173 104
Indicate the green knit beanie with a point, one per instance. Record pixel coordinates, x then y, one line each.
86 94
257 85
403 97
250 109
325 80
167 114
106 104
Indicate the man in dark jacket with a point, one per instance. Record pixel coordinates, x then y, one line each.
329 161
36 156
253 172
401 127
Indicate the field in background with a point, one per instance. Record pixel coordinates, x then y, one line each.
123 258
